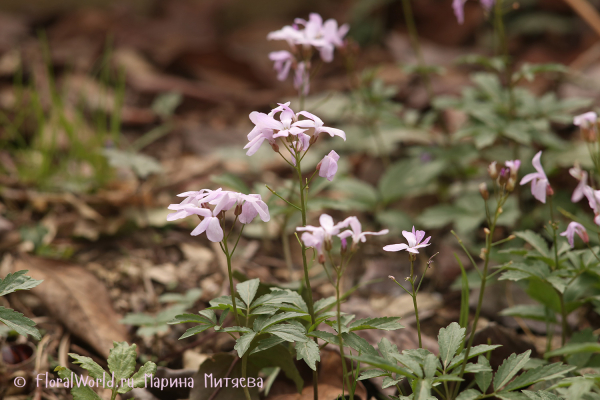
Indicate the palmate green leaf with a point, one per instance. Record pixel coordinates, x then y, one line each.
17 281
509 368
475 351
383 323
359 344
309 352
288 332
535 240
483 378
243 343
539 374
88 364
121 360
82 392
19 323
382 363
450 339
247 290
469 394
138 378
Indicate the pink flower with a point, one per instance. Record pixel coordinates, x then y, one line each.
414 239
211 224
282 63
487 4
459 11
356 233
513 166
582 188
586 120
291 35
539 181
302 79
575 228
253 206
328 165
315 240
315 122
327 228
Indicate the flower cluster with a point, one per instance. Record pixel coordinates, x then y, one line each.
320 237
247 207
299 135
302 37
459 8
507 176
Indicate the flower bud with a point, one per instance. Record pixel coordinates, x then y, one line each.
486 231
510 185
321 258
589 134
483 253
319 165
549 191
313 139
391 277
484 191
584 236
238 210
328 245
503 176
344 245
492 170
275 147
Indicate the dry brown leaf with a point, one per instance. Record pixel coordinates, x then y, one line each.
77 299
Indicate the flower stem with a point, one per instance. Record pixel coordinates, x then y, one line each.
414 40
346 377
414 297
230 275
244 365
310 303
561 297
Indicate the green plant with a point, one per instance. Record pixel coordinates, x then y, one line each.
11 318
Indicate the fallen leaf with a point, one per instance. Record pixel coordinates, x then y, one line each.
77 299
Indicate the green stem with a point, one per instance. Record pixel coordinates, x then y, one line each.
561 296
346 377
244 365
414 40
414 297
309 296
230 275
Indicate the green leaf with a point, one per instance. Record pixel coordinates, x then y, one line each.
18 322
17 281
382 363
266 344
194 331
261 323
326 336
324 304
450 339
511 396
422 389
288 332
509 368
431 365
469 394
535 240
359 344
514 275
247 290
484 378
387 349
539 374
95 370
138 378
529 311
540 395
372 373
141 164
243 343
121 360
199 319
279 356
475 351
409 362
82 392
383 323
574 348
309 352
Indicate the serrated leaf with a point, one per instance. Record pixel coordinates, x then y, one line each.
372 373
359 344
509 368
266 344
539 374
574 348
422 389
382 363
121 360
18 322
309 352
431 365
410 363
387 348
243 343
17 281
388 382
511 396
450 339
484 378
247 290
139 379
261 323
540 395
535 240
475 351
383 323
194 331
469 394
82 392
288 332
95 370
185 318
323 304
326 336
